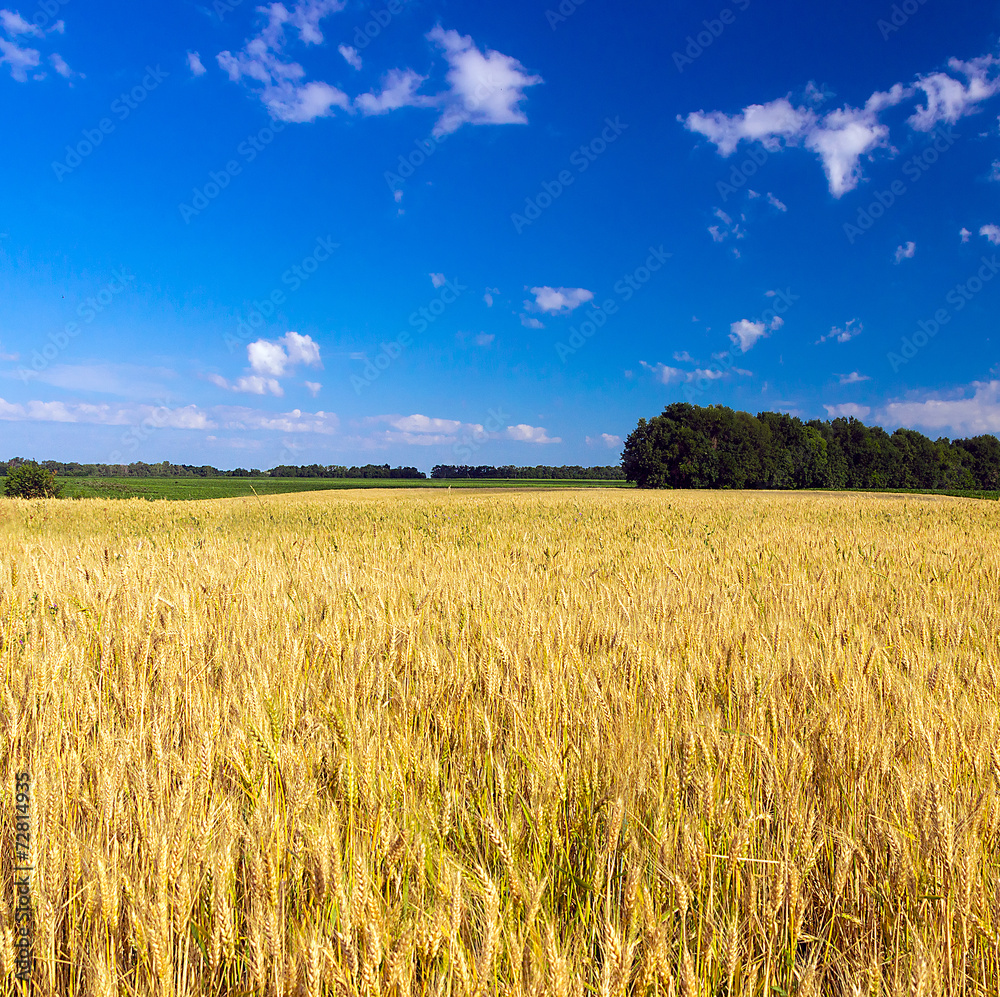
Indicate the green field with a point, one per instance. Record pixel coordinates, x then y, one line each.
206 488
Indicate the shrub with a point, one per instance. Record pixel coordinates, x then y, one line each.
31 480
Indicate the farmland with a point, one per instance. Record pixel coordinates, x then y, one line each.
464 742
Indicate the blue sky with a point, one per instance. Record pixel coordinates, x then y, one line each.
442 232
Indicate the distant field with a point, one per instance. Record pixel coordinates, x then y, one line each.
205 488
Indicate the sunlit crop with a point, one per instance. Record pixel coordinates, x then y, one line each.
475 743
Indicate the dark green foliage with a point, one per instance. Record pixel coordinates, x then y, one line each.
541 472
30 480
692 447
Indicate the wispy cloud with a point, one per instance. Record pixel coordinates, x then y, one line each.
905 252
843 335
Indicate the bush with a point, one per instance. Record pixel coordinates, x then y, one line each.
31 480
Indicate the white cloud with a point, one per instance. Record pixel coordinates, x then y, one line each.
485 88
13 25
608 440
992 232
437 279
674 375
422 430
853 378
58 63
296 421
728 228
350 55
847 410
270 360
558 300
313 387
159 416
962 415
850 330
399 89
843 136
745 334
20 60
965 234
530 434
948 99
488 296
251 384
995 172
485 339
195 64
905 252
531 323
683 357
280 83
775 203
267 358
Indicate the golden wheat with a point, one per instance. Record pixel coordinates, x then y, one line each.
520 744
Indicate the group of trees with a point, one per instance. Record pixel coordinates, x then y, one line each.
542 471
693 447
167 470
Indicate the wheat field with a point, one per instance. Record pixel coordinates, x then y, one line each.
475 743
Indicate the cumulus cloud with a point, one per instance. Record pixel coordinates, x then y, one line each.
851 329
160 416
313 387
437 279
608 440
486 88
746 334
905 252
531 323
558 300
965 234
847 411
19 60
195 64
350 55
271 359
842 137
948 99
58 63
853 378
675 375
399 89
530 434
263 64
991 232
423 430
13 25
963 414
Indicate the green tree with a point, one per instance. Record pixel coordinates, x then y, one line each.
31 480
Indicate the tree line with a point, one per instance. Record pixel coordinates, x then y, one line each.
540 472
165 469
689 446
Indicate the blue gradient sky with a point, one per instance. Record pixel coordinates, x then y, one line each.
244 235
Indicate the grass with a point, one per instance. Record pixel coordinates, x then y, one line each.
177 489
548 743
